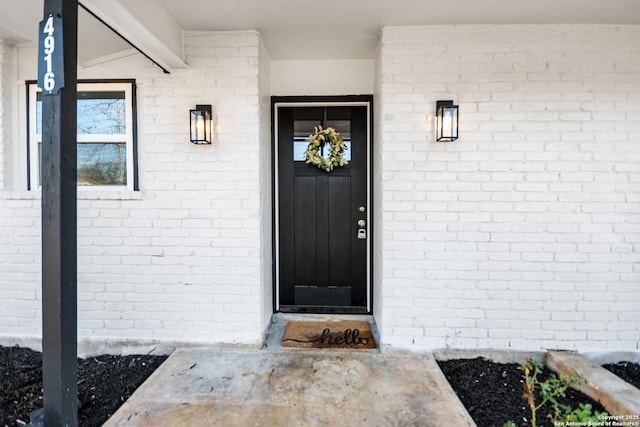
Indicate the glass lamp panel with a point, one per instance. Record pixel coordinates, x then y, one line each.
197 126
200 126
447 123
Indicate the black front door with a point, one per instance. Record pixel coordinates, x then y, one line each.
322 223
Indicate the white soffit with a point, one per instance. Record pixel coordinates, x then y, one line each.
296 29
96 42
146 25
349 29
19 20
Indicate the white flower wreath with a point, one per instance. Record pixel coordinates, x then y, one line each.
337 145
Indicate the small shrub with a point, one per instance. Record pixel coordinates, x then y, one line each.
582 414
538 393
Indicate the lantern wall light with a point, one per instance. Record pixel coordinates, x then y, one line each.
200 124
446 121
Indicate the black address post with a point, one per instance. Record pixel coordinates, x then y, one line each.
59 235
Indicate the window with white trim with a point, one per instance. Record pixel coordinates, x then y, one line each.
105 135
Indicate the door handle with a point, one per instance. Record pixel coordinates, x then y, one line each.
362 223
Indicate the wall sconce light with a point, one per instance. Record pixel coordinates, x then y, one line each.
200 124
446 121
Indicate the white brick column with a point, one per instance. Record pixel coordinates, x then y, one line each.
193 249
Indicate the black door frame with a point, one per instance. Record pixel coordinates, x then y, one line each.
319 101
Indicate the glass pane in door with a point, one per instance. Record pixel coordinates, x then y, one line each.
304 128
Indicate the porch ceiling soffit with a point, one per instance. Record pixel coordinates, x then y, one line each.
339 29
146 25
16 23
291 29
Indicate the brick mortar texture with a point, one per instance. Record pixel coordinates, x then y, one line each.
5 110
181 259
524 233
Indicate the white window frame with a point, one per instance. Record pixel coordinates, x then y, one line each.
127 138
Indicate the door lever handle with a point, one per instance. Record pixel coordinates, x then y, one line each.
362 223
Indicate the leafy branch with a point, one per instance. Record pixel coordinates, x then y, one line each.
548 390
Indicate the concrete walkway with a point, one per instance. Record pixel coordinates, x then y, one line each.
232 387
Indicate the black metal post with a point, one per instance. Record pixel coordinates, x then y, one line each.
59 222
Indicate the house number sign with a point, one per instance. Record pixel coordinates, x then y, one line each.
50 55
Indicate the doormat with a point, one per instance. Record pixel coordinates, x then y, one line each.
351 334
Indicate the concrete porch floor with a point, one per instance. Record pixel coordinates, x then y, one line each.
274 386
230 387
281 387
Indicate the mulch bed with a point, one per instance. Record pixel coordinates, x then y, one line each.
104 383
628 371
492 392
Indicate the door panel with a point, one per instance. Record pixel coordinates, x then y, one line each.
339 231
305 244
322 264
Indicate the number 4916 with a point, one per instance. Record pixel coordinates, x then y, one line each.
49 47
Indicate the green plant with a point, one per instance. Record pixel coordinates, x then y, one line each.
582 414
538 393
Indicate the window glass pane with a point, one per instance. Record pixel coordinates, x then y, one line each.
300 148
303 128
39 113
301 131
39 163
101 113
102 164
104 135
341 126
98 113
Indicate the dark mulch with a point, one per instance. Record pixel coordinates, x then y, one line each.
104 383
492 392
628 371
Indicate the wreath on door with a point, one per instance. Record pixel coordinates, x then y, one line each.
317 141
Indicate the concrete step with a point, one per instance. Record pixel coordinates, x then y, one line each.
617 396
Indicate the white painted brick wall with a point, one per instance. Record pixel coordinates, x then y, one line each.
5 110
19 264
266 190
525 232
19 225
183 259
